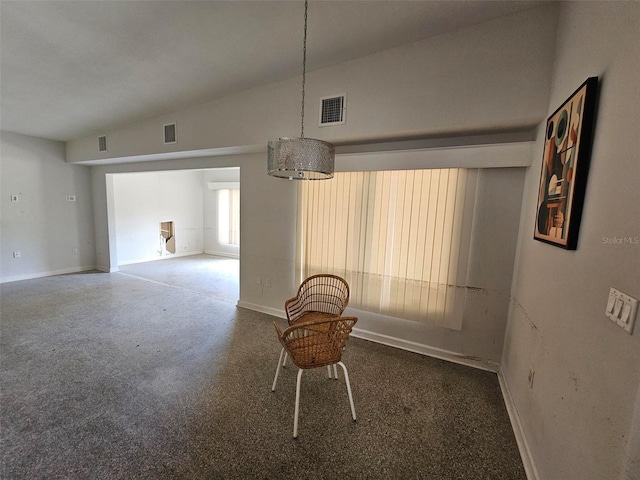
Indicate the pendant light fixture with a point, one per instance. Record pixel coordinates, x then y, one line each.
301 158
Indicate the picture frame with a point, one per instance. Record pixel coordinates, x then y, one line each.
565 166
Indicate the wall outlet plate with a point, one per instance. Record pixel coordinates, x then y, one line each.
622 309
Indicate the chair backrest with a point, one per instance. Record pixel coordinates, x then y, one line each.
318 343
323 293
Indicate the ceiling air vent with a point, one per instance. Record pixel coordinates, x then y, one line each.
102 143
333 110
170 134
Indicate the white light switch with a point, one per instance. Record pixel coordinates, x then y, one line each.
618 308
622 309
611 303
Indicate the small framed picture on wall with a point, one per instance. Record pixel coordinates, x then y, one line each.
565 165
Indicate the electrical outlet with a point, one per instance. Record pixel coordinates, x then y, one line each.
15 198
71 198
75 250
17 254
532 374
259 280
267 282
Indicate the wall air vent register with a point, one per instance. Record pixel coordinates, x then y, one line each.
333 110
170 133
102 143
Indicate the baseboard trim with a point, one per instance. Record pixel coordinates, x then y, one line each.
51 273
262 309
426 350
521 439
222 254
394 342
107 269
164 257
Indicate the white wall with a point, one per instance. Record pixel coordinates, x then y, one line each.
491 77
143 200
211 243
268 247
267 223
577 418
43 225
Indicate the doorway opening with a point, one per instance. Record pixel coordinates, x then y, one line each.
167 238
174 215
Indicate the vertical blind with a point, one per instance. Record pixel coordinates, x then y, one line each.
393 235
229 216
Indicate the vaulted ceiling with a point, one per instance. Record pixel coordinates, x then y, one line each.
71 68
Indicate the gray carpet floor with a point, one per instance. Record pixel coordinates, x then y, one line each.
120 376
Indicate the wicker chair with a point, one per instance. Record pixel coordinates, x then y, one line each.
316 344
319 297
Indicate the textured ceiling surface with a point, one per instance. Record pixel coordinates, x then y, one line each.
72 68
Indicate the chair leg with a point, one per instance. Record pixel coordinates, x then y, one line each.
335 371
346 380
280 363
297 409
286 355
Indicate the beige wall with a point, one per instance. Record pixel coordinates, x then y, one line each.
577 418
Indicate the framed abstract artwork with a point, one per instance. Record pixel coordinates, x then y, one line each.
565 165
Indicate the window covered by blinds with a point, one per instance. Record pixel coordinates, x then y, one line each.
393 235
229 216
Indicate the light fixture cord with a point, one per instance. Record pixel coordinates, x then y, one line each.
304 66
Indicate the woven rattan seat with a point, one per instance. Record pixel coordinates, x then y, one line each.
319 297
315 344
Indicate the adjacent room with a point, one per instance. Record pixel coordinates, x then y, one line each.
191 218
483 208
